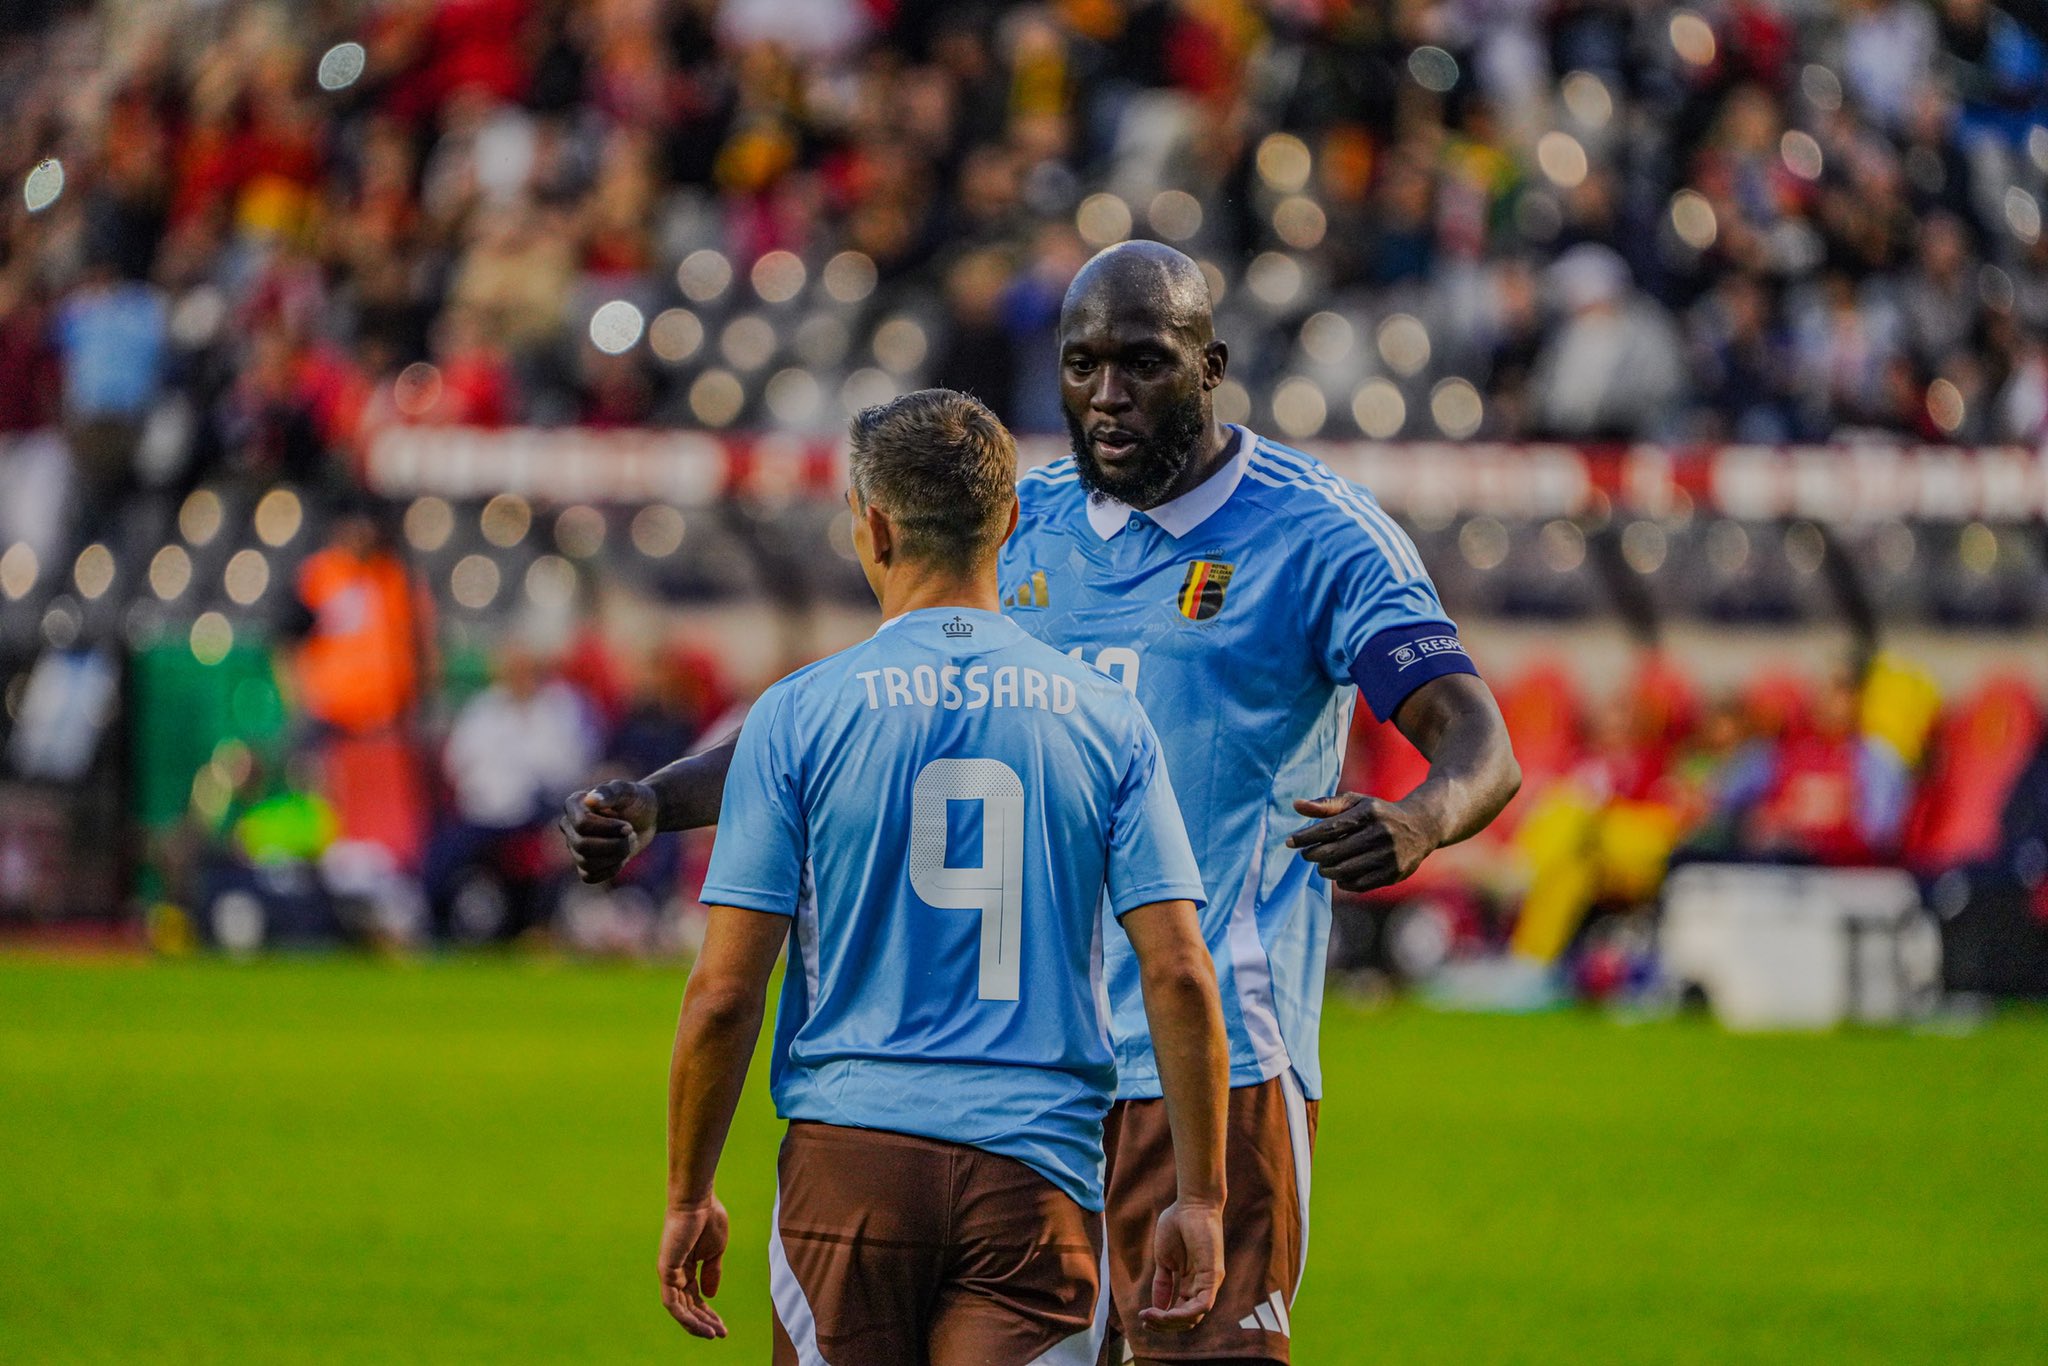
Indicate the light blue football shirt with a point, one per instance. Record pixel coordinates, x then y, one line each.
1247 615
945 809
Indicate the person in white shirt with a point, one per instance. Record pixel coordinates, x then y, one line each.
516 749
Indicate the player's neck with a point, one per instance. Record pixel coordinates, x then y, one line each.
1214 456
912 589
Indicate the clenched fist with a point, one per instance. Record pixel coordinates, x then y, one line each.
606 826
1360 843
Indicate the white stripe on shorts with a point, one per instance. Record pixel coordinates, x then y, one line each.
791 1306
1297 1137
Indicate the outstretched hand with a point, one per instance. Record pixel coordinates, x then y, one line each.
692 1250
1360 843
1187 1250
606 826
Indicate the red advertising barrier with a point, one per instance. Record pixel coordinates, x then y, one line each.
1428 480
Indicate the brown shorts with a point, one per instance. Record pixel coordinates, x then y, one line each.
1272 1132
891 1250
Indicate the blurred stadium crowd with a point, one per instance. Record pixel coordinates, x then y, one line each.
1759 222
252 240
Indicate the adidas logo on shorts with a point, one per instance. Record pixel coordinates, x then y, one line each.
1271 1315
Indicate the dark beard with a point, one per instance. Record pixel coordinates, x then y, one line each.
1161 459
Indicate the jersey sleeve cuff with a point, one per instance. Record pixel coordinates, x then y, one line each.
1160 891
1401 659
767 903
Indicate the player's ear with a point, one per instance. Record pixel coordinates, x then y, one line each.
1215 360
881 536
1010 522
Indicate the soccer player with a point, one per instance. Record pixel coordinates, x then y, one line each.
1248 596
935 819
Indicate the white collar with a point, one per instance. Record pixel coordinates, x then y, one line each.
1178 516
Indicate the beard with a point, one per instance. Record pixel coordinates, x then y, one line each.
1153 469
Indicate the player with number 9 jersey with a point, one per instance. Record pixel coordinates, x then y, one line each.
941 809
935 821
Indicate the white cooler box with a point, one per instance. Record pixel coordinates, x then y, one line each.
1800 948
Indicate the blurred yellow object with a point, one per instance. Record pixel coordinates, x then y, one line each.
1899 706
1579 853
169 930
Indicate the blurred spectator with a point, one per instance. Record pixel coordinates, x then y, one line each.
112 334
515 751
1821 790
1614 369
361 666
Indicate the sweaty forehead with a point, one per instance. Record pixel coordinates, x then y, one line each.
1110 317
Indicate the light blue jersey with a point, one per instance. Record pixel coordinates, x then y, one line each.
944 810
1246 614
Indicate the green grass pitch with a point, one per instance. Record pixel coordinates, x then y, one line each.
344 1161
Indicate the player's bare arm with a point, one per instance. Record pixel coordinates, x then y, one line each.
609 824
1360 842
1186 1016
721 1019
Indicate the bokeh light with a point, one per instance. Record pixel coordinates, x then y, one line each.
1692 38
849 277
794 397
748 342
900 345
703 275
1644 546
170 573
1298 408
19 569
1801 154
1692 218
551 583
505 520
1103 220
1587 99
616 327
474 582
279 515
42 186
1274 278
1232 402
1327 337
580 531
1563 159
199 517
341 66
1403 344
1300 222
1378 409
1433 69
429 522
716 397
247 577
93 572
779 276
1284 162
211 637
1175 215
1456 408
657 531
675 335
